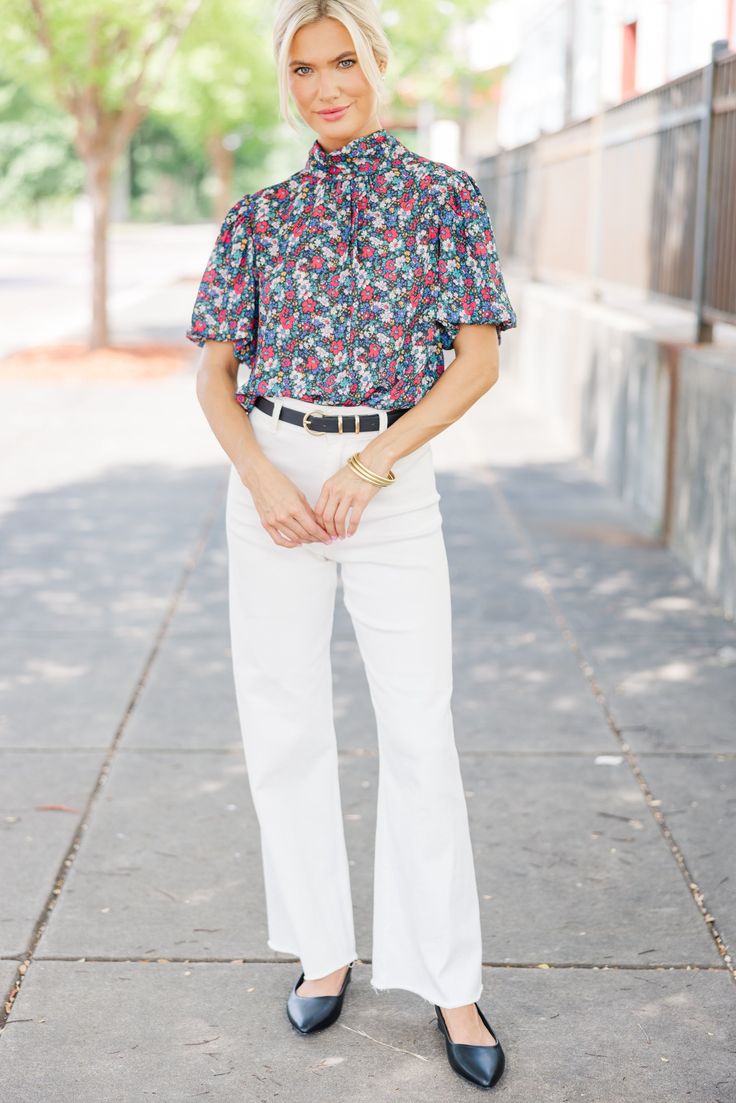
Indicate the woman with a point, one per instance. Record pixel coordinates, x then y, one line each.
339 288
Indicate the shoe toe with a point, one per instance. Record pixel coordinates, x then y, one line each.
481 1064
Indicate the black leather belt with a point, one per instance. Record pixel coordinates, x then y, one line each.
315 422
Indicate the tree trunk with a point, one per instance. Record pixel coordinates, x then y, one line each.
99 173
223 161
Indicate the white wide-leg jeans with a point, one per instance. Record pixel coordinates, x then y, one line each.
426 915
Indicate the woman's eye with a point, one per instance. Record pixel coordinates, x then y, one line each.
349 60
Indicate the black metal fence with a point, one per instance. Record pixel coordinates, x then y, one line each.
641 196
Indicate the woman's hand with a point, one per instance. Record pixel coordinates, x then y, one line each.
283 508
345 491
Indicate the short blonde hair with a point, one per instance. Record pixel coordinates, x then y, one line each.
362 22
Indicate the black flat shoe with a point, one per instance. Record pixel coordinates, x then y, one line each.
310 1013
482 1065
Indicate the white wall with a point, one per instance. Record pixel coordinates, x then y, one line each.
673 37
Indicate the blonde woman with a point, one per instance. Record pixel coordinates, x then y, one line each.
339 288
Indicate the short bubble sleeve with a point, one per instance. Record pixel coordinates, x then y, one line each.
470 286
226 304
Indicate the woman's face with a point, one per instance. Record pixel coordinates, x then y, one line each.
325 75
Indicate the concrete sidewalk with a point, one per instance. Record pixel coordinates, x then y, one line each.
595 696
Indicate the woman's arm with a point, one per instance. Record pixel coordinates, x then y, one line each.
216 383
283 508
473 372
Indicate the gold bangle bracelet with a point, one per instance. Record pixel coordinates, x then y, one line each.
358 465
370 476
367 476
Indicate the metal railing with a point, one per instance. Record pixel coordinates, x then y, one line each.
642 195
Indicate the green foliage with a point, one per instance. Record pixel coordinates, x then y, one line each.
221 87
156 155
420 32
37 157
62 47
223 76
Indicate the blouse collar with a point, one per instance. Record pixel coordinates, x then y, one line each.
366 153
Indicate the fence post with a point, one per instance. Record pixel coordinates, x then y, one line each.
703 328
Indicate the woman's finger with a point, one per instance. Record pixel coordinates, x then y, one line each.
311 527
341 513
327 515
277 538
355 516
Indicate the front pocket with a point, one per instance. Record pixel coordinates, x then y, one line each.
412 459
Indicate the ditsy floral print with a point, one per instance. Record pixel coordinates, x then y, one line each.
344 283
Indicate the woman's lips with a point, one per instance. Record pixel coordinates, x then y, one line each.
334 114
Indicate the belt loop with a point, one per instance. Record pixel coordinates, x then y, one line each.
276 413
382 419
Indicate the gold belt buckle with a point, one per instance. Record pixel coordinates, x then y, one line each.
314 413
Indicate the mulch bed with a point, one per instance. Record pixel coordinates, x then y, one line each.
75 362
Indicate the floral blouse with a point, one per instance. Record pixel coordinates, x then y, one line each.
344 283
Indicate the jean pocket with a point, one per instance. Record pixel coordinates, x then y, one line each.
419 457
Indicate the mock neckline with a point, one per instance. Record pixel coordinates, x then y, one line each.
366 153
